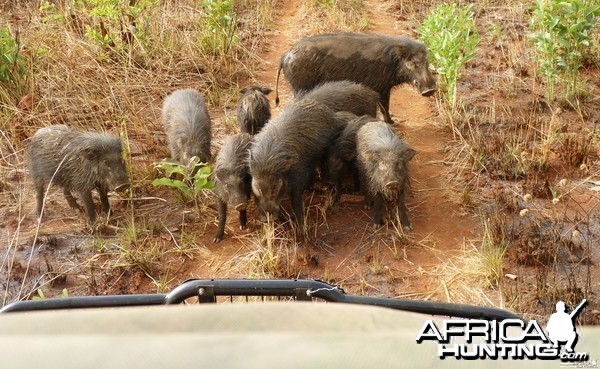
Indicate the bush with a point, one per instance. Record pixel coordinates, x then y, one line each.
562 35
449 33
12 66
220 35
112 24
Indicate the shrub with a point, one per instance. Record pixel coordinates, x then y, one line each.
449 33
112 24
194 177
15 65
220 19
562 35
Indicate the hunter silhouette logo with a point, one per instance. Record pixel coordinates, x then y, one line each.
507 339
560 326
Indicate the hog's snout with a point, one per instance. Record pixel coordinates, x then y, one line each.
426 85
122 187
265 217
428 92
393 186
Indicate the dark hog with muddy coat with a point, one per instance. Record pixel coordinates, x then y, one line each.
382 159
187 126
285 153
376 61
232 180
253 110
341 158
78 162
345 96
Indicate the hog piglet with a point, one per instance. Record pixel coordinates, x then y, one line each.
253 110
232 180
78 162
341 158
382 159
187 126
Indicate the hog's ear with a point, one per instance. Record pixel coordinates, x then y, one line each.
287 163
265 90
407 154
256 188
370 156
278 185
403 56
394 53
91 153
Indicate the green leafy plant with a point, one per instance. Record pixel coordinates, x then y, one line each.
64 13
450 34
562 34
16 65
11 63
194 177
111 24
118 23
220 20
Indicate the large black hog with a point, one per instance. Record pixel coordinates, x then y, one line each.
285 152
232 180
187 125
376 61
253 110
382 159
345 96
79 162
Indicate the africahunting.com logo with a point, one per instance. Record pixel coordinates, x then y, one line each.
507 339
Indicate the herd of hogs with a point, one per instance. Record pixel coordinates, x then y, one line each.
339 82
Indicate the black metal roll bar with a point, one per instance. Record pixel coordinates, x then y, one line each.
207 291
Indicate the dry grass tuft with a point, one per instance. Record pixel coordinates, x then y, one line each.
465 279
411 7
320 16
271 252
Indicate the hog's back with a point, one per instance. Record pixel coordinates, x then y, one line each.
359 58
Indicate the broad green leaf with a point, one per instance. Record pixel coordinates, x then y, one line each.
173 183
